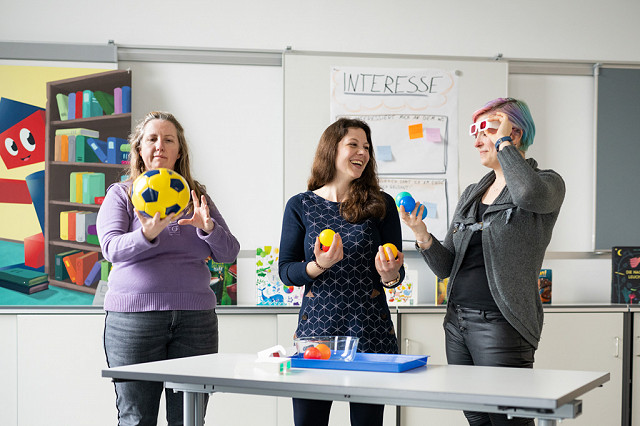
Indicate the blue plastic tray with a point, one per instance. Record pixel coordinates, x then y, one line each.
389 363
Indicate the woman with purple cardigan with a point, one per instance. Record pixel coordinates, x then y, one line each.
159 304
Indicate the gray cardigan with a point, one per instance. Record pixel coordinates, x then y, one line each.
516 232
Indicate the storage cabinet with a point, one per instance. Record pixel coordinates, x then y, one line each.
51 365
572 339
57 172
590 341
421 333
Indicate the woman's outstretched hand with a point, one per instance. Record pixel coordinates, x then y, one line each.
201 218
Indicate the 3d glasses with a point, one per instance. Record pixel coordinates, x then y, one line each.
483 125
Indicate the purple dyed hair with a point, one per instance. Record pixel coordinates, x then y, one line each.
519 115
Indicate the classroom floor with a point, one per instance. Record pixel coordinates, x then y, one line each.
12 253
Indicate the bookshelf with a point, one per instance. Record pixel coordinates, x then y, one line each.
57 172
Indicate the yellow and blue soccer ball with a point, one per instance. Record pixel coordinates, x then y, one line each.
160 190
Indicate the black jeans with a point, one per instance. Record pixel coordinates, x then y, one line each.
475 337
311 412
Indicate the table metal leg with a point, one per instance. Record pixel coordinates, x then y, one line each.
546 422
193 409
189 408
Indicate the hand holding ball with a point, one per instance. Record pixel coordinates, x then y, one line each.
326 238
394 250
406 200
160 190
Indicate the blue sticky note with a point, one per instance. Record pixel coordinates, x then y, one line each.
383 153
432 210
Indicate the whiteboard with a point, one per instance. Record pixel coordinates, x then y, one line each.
232 116
562 109
307 101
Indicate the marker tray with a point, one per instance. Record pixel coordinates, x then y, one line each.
389 363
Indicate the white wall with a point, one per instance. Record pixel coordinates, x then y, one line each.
562 31
547 29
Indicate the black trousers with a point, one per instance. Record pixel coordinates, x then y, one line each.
311 412
475 337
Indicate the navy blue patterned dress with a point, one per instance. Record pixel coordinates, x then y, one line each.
348 299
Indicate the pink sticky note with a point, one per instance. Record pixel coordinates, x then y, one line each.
433 134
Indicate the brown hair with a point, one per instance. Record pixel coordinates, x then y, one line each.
136 163
364 198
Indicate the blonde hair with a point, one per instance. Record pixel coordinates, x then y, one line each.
182 166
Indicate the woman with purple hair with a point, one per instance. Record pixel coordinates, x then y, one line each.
494 248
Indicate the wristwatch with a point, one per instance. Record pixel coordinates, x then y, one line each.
502 139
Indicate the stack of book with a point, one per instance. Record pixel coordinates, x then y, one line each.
24 280
80 226
80 267
82 145
89 103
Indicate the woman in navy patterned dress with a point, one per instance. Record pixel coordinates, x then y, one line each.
343 293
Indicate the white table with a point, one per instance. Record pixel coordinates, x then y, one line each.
547 395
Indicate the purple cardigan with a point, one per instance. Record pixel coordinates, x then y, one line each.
168 273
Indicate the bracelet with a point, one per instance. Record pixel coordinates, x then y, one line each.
424 242
391 283
322 268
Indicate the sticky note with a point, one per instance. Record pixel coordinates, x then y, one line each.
384 153
432 210
415 131
433 134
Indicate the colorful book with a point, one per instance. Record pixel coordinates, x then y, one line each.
105 268
94 275
75 186
93 185
105 100
625 275
23 276
544 285
64 225
84 152
63 106
78 131
126 99
79 95
64 148
122 156
99 148
441 291
71 149
71 105
93 239
57 156
81 230
26 289
88 109
84 264
115 152
71 227
117 100
60 270
70 264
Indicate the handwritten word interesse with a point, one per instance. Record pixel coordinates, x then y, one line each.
392 85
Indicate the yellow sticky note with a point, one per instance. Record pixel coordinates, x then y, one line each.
415 131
